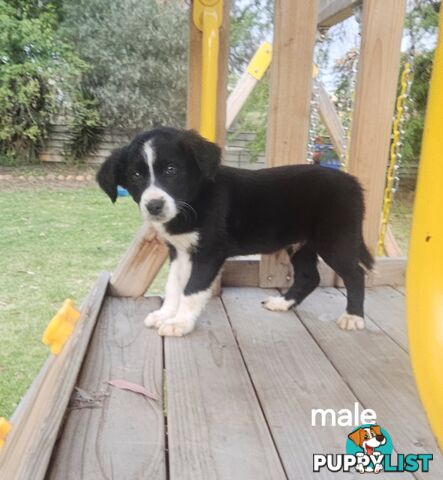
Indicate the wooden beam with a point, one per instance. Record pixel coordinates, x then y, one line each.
36 422
295 23
245 272
140 264
335 11
331 121
238 97
376 90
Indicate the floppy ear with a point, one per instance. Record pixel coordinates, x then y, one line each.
109 173
206 154
376 429
356 437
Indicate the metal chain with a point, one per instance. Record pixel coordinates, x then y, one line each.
392 176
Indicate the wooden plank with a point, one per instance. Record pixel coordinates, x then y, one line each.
36 422
123 436
331 121
386 308
194 75
332 12
377 371
388 271
378 69
216 429
295 24
238 97
291 376
140 264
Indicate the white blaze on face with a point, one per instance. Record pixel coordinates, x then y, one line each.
154 192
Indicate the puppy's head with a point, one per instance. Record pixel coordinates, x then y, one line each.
368 438
163 170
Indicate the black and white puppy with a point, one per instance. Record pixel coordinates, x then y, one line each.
206 213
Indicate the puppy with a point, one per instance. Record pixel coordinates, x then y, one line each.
206 212
368 439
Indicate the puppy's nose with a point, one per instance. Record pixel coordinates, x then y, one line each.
155 206
380 438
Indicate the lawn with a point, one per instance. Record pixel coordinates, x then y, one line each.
53 244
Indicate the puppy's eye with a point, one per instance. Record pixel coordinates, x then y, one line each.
170 170
136 175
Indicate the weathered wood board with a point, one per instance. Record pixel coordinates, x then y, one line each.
123 437
378 372
216 429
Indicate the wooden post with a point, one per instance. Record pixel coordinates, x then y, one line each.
376 89
295 23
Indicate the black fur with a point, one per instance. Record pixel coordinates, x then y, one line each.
240 212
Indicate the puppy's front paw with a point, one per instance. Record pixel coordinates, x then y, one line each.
156 319
351 322
278 304
175 328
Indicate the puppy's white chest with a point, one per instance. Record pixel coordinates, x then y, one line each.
184 241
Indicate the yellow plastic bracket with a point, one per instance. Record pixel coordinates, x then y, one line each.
207 6
61 326
5 428
260 61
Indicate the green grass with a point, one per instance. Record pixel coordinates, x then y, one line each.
53 244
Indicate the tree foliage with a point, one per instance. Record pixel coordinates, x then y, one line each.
138 56
36 71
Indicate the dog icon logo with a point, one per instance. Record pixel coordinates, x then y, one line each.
369 443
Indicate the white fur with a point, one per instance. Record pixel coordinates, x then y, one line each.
351 322
155 193
189 310
278 304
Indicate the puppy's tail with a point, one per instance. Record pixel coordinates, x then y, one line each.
366 259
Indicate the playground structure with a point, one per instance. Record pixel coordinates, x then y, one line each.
235 396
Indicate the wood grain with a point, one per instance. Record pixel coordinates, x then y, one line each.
215 425
140 264
378 372
332 12
123 437
385 306
291 376
37 420
295 23
382 29
331 120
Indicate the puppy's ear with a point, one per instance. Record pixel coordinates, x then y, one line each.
356 437
109 174
376 429
206 154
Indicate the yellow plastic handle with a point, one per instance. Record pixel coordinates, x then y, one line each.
5 428
61 327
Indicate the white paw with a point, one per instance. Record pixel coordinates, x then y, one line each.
360 468
175 328
378 468
157 318
278 304
351 322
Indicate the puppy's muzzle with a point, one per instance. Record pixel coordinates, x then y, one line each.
155 207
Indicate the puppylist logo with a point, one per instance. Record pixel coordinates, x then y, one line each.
369 449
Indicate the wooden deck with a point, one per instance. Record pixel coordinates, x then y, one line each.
235 396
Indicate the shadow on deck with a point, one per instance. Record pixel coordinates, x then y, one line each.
235 396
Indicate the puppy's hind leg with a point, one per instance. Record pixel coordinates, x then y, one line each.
306 280
345 262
